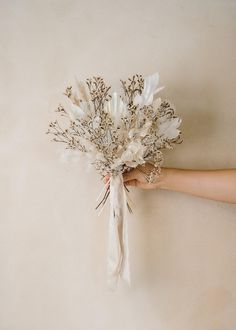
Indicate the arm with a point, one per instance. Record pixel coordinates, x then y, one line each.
218 185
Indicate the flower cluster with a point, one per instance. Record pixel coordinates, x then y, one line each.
118 132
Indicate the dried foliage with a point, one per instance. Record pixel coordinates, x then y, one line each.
118 132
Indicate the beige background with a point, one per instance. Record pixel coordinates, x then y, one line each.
52 244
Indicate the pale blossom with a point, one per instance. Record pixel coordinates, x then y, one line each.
116 108
140 131
150 88
169 128
133 155
76 112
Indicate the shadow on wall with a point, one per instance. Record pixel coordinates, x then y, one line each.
210 305
200 110
151 238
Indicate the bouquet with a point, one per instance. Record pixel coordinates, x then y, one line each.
118 132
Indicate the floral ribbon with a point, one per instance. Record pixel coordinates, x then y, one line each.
118 250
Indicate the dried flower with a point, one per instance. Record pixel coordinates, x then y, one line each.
118 132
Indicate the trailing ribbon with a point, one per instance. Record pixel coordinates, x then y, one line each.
118 250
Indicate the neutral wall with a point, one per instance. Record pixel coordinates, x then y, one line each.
52 244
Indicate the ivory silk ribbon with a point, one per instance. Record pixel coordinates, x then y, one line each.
118 249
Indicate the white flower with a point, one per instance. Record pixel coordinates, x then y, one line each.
149 89
140 132
80 111
70 155
93 154
76 112
116 108
133 155
96 122
157 103
169 128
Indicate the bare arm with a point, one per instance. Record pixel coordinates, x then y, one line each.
218 185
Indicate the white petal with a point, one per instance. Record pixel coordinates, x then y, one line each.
116 107
137 99
150 88
96 122
159 89
169 128
150 85
76 112
157 103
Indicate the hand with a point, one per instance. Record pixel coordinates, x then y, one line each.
137 177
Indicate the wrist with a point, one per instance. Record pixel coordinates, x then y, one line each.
163 181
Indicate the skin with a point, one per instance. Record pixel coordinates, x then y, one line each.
219 185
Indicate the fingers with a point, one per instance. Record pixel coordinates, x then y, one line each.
133 178
133 183
128 176
131 175
106 178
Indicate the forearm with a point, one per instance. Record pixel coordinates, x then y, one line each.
213 184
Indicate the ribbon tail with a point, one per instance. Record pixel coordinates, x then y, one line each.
118 249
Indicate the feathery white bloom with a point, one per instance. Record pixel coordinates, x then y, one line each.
169 128
133 155
116 108
76 112
139 132
150 88
96 122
